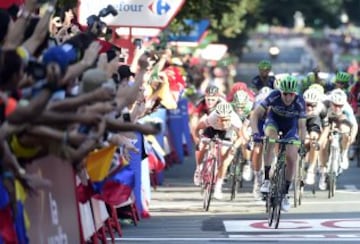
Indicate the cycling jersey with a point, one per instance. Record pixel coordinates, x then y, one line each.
284 117
243 87
213 120
321 112
258 83
354 96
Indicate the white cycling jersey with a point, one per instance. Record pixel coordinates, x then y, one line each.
213 120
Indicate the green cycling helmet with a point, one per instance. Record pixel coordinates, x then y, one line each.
241 98
343 77
264 64
288 84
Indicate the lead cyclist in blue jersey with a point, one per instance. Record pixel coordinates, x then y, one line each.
286 114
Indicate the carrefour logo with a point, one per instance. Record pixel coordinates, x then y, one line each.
159 7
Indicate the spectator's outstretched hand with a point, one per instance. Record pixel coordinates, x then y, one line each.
91 53
150 128
104 94
33 182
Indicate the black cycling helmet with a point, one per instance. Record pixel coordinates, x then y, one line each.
212 90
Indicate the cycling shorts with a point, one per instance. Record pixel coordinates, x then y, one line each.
289 128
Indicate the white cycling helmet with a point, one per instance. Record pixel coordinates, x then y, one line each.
312 96
265 91
338 97
223 109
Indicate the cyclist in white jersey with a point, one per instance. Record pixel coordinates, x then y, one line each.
222 122
340 113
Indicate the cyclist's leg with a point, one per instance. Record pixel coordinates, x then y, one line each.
291 157
247 173
314 129
271 131
344 127
256 159
199 155
226 157
323 161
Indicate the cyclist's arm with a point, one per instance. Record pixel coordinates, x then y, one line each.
254 118
302 128
200 126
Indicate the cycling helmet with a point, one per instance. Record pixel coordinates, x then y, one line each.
277 84
223 109
265 91
343 77
264 64
240 99
317 87
311 77
312 96
212 90
338 97
288 84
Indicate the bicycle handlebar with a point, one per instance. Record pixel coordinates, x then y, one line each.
217 140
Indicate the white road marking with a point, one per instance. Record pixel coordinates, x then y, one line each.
243 238
293 225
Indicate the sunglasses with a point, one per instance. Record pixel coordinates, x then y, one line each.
337 105
313 105
288 94
211 99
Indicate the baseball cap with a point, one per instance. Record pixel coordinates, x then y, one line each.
57 55
124 71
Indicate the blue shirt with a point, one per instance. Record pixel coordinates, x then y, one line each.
258 83
294 111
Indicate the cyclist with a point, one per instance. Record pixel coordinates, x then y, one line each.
242 106
222 122
256 157
341 114
317 125
205 105
263 79
355 95
286 114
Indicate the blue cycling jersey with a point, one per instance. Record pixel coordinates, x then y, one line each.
258 83
294 111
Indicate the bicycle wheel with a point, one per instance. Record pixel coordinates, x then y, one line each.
234 181
280 185
270 209
209 184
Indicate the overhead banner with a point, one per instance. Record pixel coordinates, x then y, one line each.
133 13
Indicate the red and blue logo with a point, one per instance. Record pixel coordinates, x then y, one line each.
159 7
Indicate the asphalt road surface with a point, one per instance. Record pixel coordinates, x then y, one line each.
177 215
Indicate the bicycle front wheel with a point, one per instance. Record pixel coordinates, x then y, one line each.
209 185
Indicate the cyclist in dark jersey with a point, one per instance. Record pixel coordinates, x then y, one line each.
263 79
287 114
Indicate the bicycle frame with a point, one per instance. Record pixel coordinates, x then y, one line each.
333 162
210 168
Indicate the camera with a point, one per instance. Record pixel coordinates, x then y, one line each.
108 10
98 27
